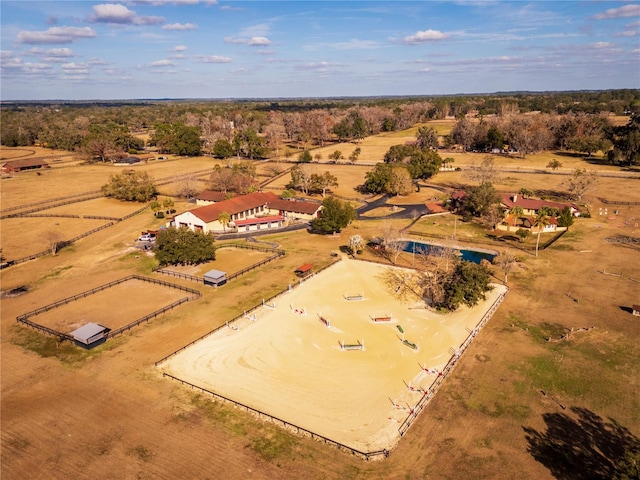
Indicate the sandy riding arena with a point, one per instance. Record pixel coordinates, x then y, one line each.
288 360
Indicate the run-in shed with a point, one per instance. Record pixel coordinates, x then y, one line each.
90 335
215 278
304 270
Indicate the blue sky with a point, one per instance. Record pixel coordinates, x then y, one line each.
83 50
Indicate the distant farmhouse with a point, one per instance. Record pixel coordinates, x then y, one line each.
14 166
251 212
530 208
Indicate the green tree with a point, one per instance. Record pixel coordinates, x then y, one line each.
376 180
322 182
155 207
554 164
184 247
131 186
334 216
353 158
525 192
479 200
628 468
177 139
222 149
224 218
467 285
305 156
336 156
168 205
565 219
626 142
426 138
523 234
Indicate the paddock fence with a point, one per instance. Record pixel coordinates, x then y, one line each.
426 398
48 206
66 197
278 253
283 423
66 243
24 318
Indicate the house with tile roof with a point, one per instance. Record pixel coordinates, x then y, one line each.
531 206
209 197
254 211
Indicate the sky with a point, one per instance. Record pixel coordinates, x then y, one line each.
151 49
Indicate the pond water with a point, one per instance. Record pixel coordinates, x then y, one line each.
475 256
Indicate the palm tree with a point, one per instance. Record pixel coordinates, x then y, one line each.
540 222
224 218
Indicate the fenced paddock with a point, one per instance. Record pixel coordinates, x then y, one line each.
336 395
119 305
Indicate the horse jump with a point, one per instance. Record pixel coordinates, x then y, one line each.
352 346
299 311
353 298
271 305
324 320
381 319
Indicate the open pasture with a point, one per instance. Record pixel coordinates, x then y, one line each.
289 362
113 307
229 260
24 236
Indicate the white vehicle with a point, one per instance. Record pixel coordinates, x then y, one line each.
147 237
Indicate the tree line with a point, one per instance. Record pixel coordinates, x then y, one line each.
256 129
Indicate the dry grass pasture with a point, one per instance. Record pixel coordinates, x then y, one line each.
526 400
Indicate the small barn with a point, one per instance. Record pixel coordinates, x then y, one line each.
21 165
304 270
215 278
90 335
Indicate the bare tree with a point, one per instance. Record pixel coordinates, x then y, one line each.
506 260
485 172
188 187
52 238
393 243
581 182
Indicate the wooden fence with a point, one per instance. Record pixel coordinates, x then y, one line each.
424 400
24 318
283 423
186 276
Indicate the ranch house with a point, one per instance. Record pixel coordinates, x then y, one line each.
531 206
252 212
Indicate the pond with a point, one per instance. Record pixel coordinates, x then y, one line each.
475 256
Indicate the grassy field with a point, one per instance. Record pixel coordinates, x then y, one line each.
525 401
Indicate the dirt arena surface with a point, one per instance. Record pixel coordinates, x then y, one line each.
290 365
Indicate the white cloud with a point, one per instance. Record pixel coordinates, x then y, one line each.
353 44
179 48
253 41
163 63
259 42
121 15
74 68
622 12
258 30
425 36
60 52
213 59
6 54
180 26
55 35
627 33
601 45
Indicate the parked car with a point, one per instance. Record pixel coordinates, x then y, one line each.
147 237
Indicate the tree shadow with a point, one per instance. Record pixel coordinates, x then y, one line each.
580 445
626 309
